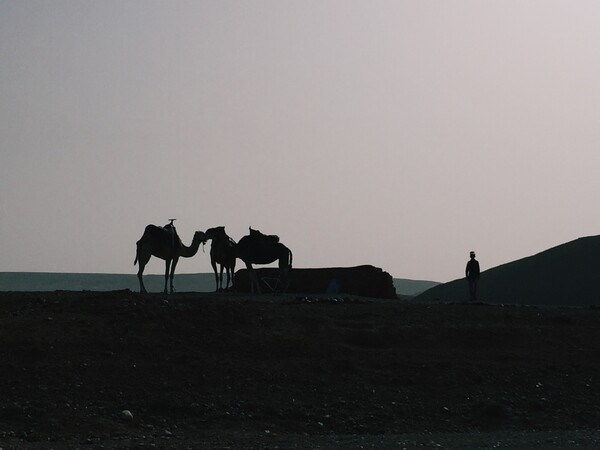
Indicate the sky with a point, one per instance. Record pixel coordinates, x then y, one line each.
401 134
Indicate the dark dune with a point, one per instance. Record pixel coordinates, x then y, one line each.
563 275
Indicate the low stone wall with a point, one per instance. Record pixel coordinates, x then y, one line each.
367 281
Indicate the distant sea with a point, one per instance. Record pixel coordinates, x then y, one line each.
41 281
199 282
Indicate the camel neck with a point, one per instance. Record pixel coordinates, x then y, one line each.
188 252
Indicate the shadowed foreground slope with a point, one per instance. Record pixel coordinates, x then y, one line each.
202 370
563 275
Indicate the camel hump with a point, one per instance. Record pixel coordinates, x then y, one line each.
156 235
151 232
264 238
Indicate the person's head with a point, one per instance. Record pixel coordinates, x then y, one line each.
472 255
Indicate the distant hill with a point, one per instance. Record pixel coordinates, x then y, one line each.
563 275
411 288
203 282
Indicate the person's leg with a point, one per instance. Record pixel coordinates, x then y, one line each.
472 288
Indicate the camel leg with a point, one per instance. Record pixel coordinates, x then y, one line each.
173 265
167 270
256 282
221 277
232 269
285 266
227 271
214 266
253 278
142 261
284 279
139 275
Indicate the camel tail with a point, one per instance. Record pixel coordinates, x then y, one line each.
290 260
137 250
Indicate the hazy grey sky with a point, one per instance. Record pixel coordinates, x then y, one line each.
395 133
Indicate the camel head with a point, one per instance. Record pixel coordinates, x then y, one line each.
200 237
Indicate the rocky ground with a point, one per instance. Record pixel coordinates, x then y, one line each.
293 371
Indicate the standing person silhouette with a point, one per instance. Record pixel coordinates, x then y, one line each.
472 273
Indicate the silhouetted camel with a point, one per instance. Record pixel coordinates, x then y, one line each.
164 244
222 253
258 248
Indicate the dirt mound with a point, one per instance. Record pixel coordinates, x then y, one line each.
366 281
208 369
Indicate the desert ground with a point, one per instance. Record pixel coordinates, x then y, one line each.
293 371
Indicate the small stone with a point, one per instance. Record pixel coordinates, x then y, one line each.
126 415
